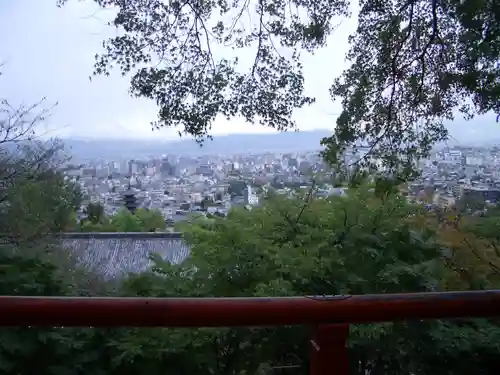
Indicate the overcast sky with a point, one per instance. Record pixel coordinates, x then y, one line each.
49 52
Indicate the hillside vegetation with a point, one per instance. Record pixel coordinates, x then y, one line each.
412 65
357 244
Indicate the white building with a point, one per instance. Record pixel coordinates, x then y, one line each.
252 198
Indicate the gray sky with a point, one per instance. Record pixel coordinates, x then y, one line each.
49 52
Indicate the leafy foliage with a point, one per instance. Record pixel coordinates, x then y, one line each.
35 198
36 201
94 213
170 48
38 207
31 276
141 220
237 188
362 243
359 244
414 64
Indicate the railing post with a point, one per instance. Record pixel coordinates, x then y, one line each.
329 350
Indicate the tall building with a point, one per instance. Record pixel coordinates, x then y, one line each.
251 198
204 170
167 169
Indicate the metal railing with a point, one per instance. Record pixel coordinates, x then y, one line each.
330 316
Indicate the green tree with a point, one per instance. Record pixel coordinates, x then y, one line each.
39 207
94 212
472 204
206 202
363 243
35 198
270 90
103 226
413 64
50 350
36 201
125 221
151 220
480 254
360 244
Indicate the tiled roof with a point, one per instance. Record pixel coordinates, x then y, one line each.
115 254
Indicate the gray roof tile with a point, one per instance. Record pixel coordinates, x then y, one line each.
116 254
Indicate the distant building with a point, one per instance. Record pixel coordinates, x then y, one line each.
88 172
474 160
204 170
251 198
482 193
167 169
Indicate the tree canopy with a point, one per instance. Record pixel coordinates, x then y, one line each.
416 64
413 65
141 220
35 197
192 85
371 241
361 243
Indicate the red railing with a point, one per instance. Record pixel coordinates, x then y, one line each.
329 315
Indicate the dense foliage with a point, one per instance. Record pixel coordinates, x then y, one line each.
413 65
290 246
142 220
371 241
35 198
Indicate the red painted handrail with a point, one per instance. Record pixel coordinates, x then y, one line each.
225 312
330 315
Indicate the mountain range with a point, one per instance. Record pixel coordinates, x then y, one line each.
115 149
485 132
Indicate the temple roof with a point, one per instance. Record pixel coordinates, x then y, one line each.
115 254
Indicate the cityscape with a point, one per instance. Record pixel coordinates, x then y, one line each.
271 187
179 186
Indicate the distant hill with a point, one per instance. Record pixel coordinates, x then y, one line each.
228 144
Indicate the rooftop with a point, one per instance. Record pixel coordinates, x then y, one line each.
118 253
